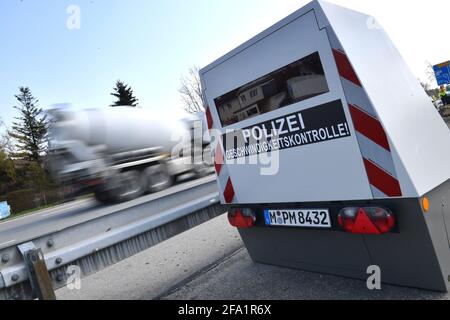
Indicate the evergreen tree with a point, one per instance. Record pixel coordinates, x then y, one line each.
30 130
124 95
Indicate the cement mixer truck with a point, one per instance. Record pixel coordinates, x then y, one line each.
121 153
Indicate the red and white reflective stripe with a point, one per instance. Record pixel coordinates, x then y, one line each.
225 183
209 119
345 68
229 192
382 180
371 136
224 180
369 126
218 159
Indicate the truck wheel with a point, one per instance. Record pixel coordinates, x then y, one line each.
203 167
132 185
158 178
202 170
103 197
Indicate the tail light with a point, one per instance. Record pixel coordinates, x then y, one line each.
242 218
370 220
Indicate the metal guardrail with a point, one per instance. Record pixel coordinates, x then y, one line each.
98 243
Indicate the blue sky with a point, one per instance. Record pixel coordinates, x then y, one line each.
150 43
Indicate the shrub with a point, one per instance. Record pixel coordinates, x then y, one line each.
20 200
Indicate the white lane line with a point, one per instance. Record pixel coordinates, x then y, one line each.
55 212
62 207
49 214
5 243
18 219
61 210
39 213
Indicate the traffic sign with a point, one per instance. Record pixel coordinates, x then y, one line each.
442 72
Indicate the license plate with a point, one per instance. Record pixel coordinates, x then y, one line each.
305 218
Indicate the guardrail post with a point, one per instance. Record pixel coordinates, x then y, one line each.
41 283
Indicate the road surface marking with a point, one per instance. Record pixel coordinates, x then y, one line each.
52 213
38 213
61 210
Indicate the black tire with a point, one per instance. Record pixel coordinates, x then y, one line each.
204 167
132 185
202 170
158 178
103 196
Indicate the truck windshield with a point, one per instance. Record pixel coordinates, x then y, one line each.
298 81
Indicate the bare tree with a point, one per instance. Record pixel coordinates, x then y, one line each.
3 136
7 169
191 91
425 85
429 72
6 144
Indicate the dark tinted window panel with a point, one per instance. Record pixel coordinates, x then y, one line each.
298 81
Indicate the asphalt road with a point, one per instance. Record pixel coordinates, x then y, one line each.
154 272
22 229
238 278
210 262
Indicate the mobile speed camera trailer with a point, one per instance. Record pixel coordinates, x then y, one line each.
363 176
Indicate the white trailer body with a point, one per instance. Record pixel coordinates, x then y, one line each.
370 136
